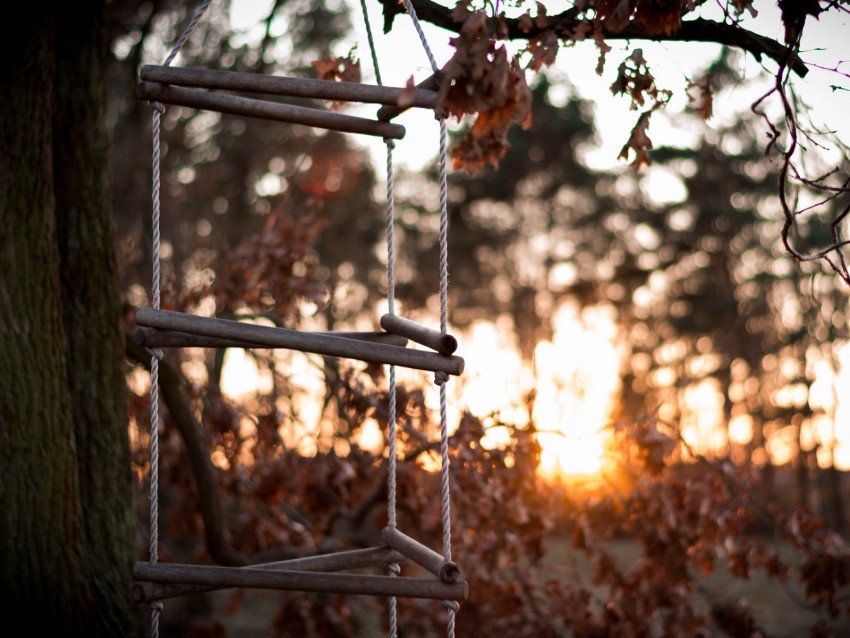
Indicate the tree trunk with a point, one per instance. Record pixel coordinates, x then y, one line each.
94 339
66 535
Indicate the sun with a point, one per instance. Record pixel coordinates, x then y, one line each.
577 380
574 378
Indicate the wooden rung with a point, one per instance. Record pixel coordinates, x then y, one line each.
301 581
337 561
294 340
153 338
281 85
442 342
276 111
386 113
425 557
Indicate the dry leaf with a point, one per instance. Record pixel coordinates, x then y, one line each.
408 94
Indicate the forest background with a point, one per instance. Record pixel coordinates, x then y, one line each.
648 367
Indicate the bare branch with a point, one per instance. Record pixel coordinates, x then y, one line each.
215 528
197 448
788 172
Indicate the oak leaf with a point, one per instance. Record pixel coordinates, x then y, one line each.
344 69
408 93
701 96
615 13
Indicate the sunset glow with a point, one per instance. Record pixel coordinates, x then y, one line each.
577 378
573 378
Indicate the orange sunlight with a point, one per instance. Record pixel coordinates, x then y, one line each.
574 379
577 381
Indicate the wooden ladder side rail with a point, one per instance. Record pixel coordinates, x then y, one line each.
304 342
155 338
425 557
365 584
432 83
276 111
145 592
287 86
443 343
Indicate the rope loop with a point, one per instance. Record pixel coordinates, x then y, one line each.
451 605
389 142
394 569
441 377
157 106
156 605
155 352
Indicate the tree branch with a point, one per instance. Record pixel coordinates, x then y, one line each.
197 448
566 25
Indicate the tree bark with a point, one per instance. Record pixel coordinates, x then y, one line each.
66 544
42 555
94 339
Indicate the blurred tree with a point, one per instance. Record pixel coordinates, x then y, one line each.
511 226
223 174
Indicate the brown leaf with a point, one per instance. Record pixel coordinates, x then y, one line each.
661 16
408 93
616 13
480 78
345 69
462 11
701 96
544 49
602 46
542 20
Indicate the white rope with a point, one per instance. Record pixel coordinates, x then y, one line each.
156 355
155 289
409 6
445 478
442 378
391 487
372 48
393 568
184 37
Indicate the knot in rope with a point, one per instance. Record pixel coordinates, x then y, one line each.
394 569
156 605
441 377
157 106
451 605
389 142
155 352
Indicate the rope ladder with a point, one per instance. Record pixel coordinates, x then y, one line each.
198 88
